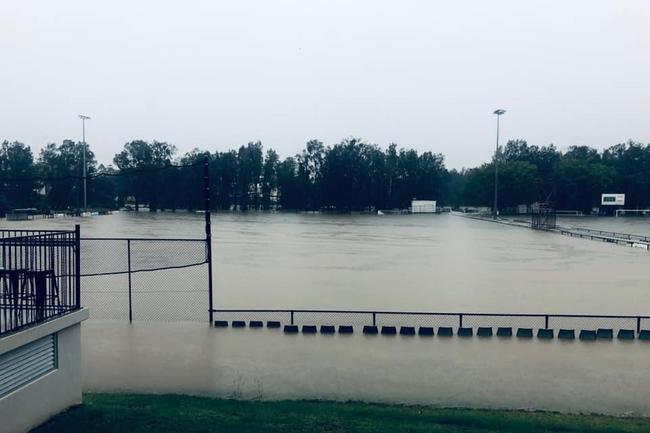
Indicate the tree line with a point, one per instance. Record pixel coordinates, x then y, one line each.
352 175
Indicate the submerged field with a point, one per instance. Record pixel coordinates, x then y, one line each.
117 413
364 262
361 262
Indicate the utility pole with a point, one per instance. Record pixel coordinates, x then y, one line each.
83 132
495 209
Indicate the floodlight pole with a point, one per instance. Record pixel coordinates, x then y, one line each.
495 209
83 159
208 234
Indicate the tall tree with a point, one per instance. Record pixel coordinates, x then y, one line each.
64 164
269 178
16 162
138 155
249 172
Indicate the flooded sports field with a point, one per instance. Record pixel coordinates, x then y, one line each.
400 263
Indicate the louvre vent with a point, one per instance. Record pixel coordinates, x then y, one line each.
22 366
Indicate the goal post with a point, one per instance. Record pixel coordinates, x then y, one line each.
632 212
563 212
543 217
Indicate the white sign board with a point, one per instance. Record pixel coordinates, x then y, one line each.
423 206
612 199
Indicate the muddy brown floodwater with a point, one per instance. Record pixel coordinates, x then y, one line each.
410 262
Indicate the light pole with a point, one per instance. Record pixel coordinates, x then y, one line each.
495 209
83 132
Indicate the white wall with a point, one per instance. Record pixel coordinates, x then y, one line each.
34 403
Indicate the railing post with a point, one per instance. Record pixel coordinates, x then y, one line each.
460 320
374 318
638 325
292 317
546 321
208 233
77 265
128 254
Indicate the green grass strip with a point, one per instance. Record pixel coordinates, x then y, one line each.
135 413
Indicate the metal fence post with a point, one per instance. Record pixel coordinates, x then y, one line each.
208 233
292 317
77 264
546 321
374 318
638 325
460 320
128 254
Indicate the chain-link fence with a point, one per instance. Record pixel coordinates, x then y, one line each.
145 279
545 326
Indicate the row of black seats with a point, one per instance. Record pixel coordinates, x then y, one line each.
445 331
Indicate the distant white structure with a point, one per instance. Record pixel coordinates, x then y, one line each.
423 206
633 212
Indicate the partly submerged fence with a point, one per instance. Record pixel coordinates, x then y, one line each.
545 326
39 276
630 240
547 223
611 234
149 279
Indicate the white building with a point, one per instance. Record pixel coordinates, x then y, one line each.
41 368
40 334
423 206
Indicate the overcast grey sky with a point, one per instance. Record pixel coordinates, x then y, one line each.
423 74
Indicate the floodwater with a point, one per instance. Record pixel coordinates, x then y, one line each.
610 377
406 262
403 262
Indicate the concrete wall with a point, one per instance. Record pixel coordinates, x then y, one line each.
34 403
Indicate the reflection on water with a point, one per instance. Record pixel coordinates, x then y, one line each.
401 262
603 376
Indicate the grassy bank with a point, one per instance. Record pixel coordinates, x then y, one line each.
122 413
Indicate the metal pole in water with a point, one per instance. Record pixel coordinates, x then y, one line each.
77 265
83 135
208 233
128 250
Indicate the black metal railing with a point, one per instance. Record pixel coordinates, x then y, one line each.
39 276
443 323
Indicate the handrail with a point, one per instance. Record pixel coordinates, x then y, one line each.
433 313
